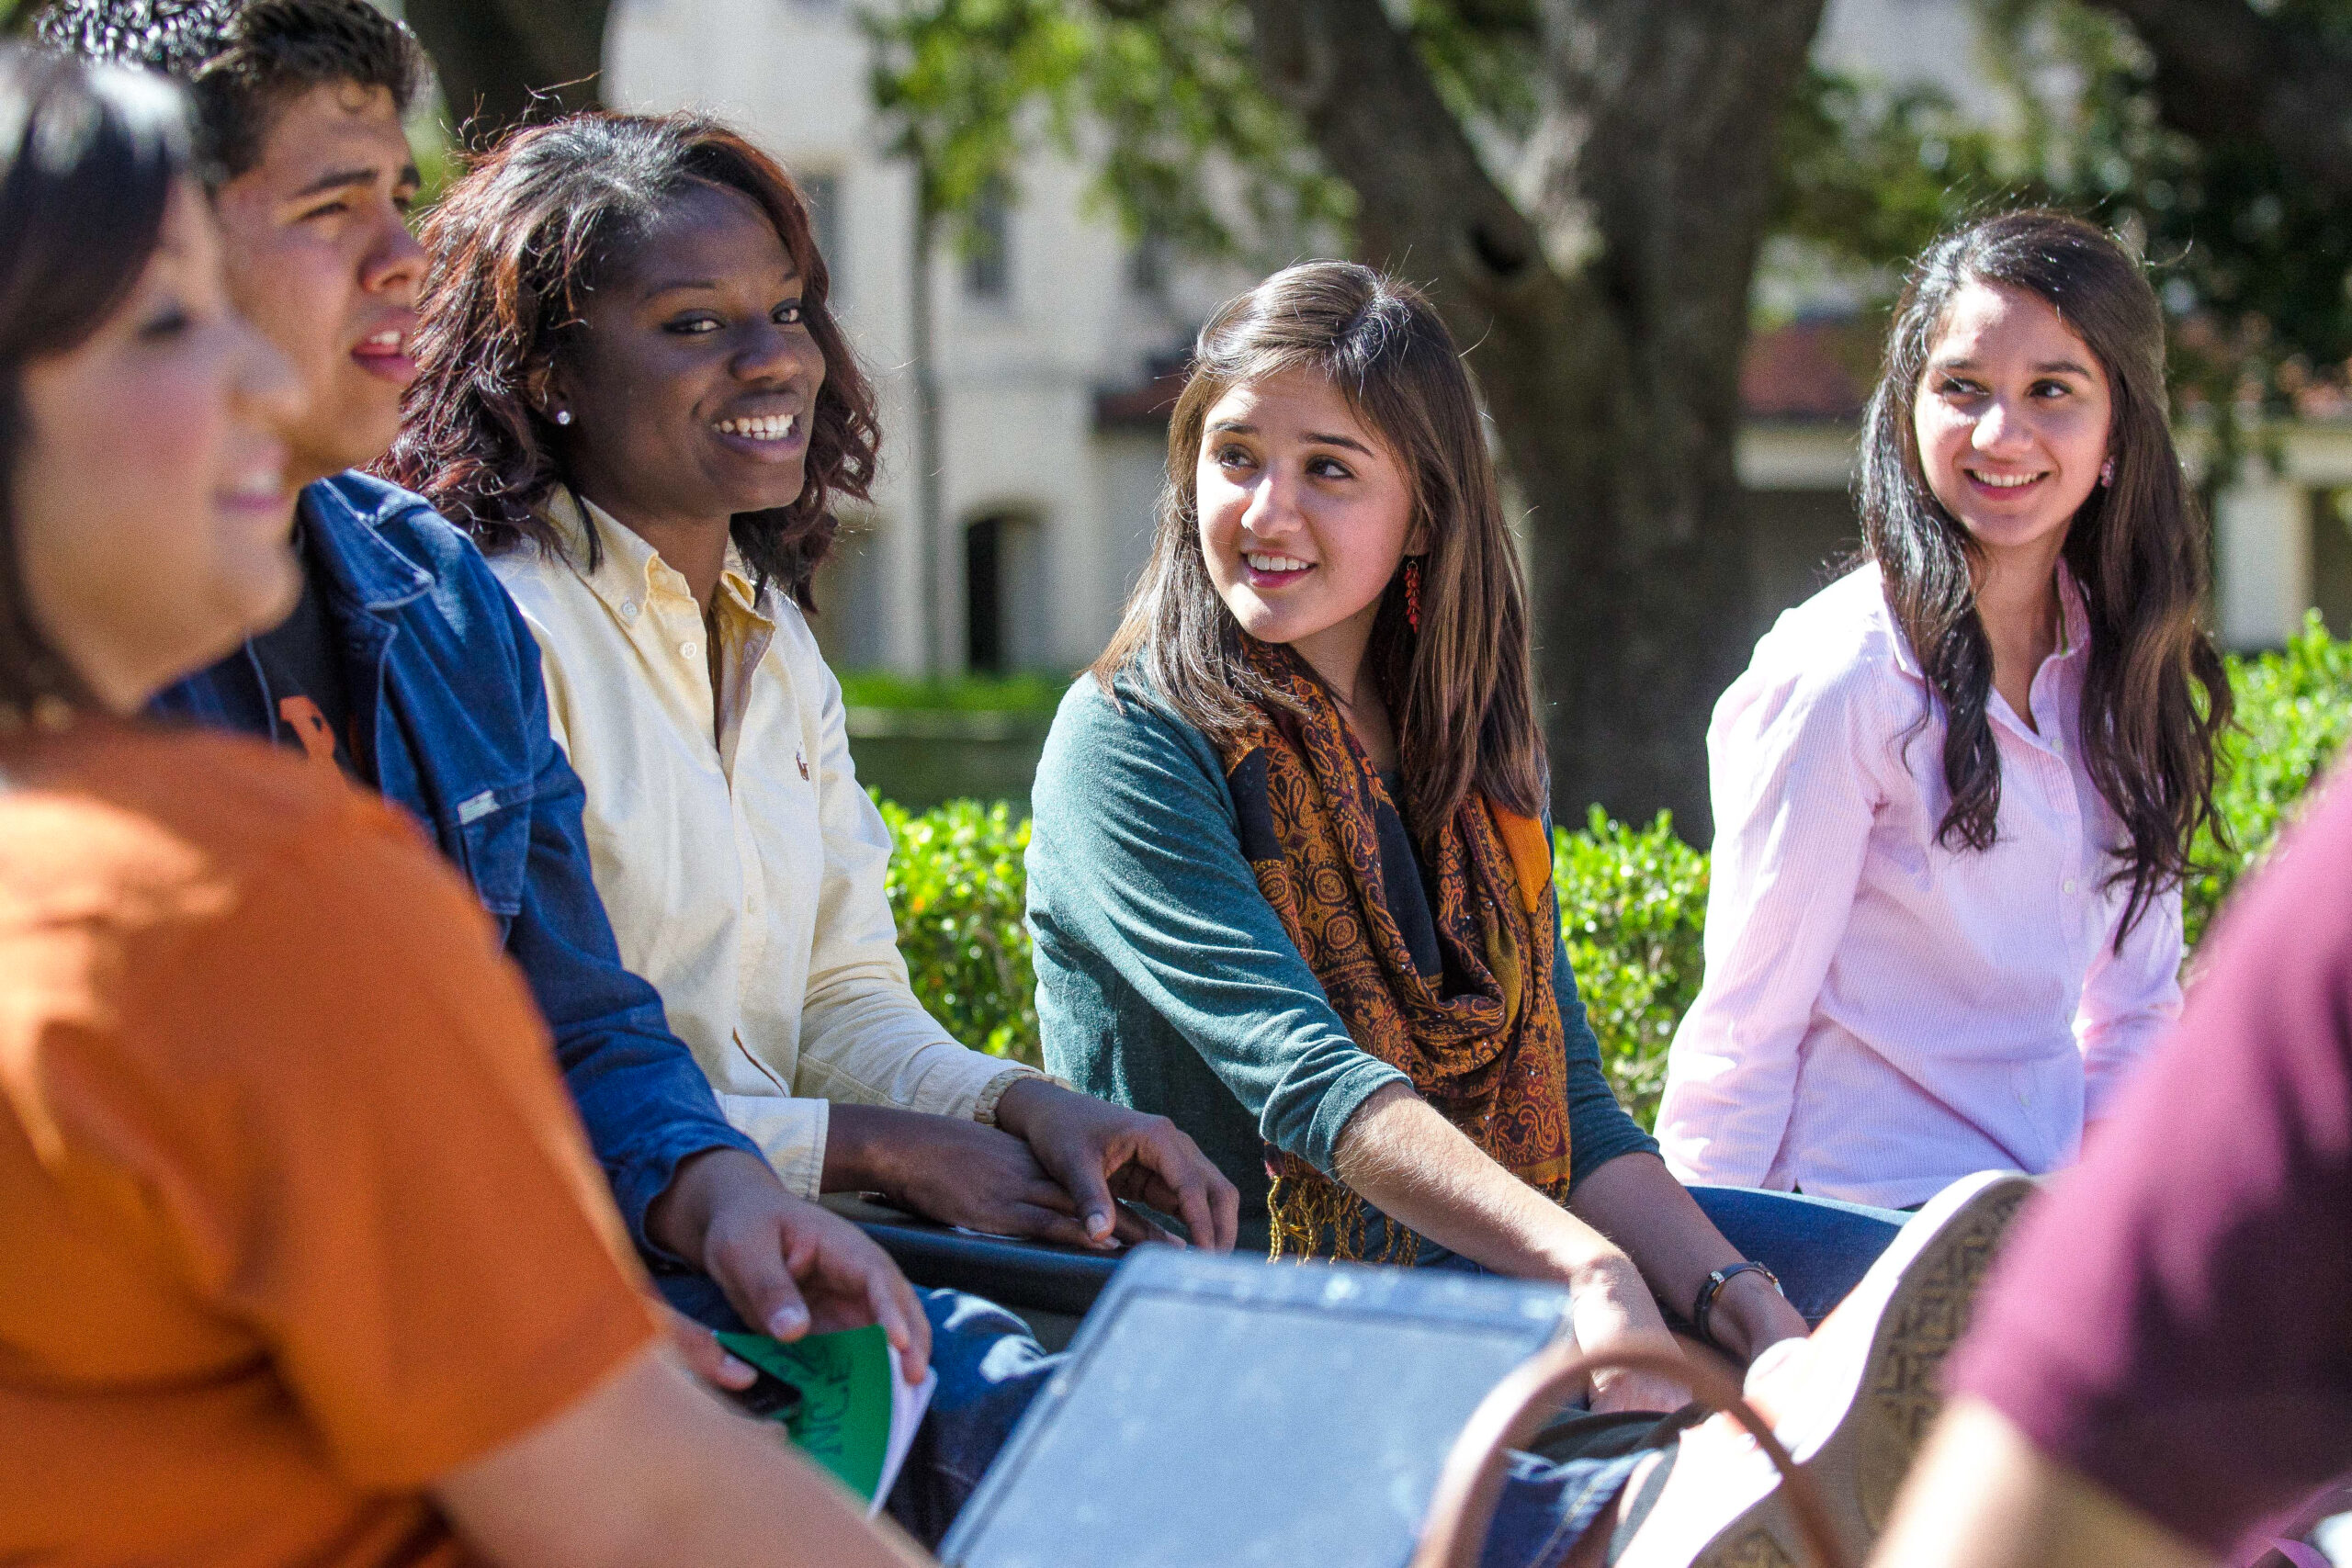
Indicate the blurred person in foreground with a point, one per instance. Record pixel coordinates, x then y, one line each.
260 1062
2162 1358
402 665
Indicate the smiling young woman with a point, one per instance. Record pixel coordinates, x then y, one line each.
632 390
1954 793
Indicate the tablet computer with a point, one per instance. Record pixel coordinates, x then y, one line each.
1223 1411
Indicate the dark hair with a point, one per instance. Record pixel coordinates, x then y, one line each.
2135 548
516 246
241 60
88 159
1462 687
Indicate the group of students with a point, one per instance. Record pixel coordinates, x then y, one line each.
364 1200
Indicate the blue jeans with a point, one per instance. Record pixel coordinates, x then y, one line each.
1819 1249
990 1368
1819 1246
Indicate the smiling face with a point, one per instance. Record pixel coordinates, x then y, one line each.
151 495
1304 515
695 379
2012 415
320 259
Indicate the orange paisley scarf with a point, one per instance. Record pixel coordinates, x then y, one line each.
1481 1040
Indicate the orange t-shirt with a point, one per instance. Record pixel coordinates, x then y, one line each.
295 1217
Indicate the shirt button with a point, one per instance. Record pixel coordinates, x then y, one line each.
2071 885
628 609
688 649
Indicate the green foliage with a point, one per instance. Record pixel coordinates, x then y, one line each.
1873 175
970 85
957 888
1035 693
1633 907
2294 713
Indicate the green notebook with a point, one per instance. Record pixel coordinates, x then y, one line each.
856 1415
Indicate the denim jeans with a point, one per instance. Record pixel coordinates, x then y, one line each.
1818 1247
990 1368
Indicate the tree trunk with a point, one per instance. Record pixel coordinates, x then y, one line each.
1606 318
922 337
502 61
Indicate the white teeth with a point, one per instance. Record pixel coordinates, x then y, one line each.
768 427
1262 562
385 340
2003 481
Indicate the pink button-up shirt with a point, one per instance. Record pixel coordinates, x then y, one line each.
1881 1014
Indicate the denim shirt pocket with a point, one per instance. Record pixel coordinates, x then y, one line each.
494 846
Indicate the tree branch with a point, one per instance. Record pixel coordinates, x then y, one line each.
2226 71
1369 105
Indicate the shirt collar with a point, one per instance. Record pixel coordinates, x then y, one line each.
2074 621
629 569
360 565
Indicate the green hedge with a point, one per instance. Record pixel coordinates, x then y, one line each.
2294 713
1634 900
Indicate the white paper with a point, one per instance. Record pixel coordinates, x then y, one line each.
908 1401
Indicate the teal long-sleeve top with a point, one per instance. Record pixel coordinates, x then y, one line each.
1166 982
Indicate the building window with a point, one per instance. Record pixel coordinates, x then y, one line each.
823 194
1003 595
988 264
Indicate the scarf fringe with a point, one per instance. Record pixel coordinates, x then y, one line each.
1305 1207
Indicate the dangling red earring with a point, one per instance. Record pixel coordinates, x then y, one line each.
1413 592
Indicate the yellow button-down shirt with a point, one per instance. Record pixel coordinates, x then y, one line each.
742 865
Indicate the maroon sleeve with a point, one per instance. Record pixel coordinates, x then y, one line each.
2174 1320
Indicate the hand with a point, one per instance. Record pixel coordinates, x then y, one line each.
785 1265
1100 1152
957 1172
705 1357
1610 1309
1750 1316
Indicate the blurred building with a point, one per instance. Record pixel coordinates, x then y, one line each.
1056 339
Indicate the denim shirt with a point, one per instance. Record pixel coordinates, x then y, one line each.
447 700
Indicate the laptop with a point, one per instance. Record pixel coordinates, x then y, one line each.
1228 1412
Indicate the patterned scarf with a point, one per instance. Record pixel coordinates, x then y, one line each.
1482 1040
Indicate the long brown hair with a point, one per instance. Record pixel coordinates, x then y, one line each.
1462 688
88 158
516 245
2155 697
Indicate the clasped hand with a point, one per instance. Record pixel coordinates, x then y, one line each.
1052 1170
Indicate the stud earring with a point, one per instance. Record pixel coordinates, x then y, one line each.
2107 472
563 416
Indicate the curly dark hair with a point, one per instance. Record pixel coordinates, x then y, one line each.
242 59
87 164
516 246
2155 696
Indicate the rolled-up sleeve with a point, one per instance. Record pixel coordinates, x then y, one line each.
1136 834
1793 806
